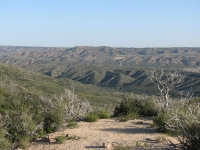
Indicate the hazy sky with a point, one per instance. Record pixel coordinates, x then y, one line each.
118 23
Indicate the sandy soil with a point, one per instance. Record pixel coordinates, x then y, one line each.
93 135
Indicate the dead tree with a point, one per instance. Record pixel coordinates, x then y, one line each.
166 82
75 108
183 118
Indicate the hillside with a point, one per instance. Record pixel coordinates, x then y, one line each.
39 84
123 78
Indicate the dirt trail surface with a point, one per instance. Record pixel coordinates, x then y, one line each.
93 135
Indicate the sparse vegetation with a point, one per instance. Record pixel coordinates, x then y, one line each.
161 138
25 117
72 124
122 148
125 118
132 108
22 121
97 114
179 116
91 118
146 144
138 144
60 139
73 137
102 114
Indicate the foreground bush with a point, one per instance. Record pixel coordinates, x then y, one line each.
97 114
134 107
4 143
183 119
159 121
124 118
60 139
91 118
24 117
101 114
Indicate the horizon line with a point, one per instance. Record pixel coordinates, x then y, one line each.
102 46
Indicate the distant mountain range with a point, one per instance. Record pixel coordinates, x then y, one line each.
122 69
145 57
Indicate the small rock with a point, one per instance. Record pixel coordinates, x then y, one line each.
107 145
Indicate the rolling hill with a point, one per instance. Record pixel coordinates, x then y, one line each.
39 84
143 57
118 69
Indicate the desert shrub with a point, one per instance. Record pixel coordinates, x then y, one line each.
4 143
20 128
126 107
102 114
41 132
147 107
136 106
75 108
72 124
60 139
159 122
73 137
54 119
25 116
123 118
193 141
91 117
181 118
24 142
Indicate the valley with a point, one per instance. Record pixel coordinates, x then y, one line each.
121 69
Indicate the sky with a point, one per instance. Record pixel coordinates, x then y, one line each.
115 23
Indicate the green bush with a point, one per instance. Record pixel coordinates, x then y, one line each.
124 118
24 142
126 107
4 143
194 142
73 137
159 121
22 113
182 119
91 118
60 139
147 107
135 107
72 124
102 114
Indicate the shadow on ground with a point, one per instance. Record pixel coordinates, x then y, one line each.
131 130
94 147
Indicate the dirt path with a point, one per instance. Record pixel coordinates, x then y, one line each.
93 135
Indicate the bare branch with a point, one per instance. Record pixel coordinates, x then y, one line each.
166 82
